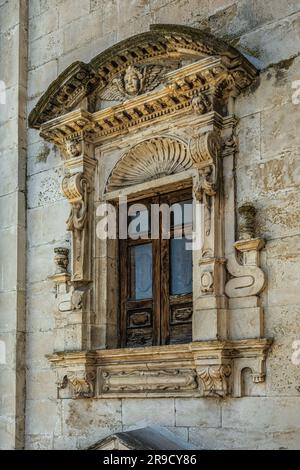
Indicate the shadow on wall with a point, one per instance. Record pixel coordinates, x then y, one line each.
2 352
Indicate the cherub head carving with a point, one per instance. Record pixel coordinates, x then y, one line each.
73 148
201 104
133 81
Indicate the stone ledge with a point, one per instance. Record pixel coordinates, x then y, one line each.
198 369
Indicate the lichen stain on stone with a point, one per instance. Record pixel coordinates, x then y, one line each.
78 418
277 174
50 189
280 68
82 414
219 21
281 216
43 154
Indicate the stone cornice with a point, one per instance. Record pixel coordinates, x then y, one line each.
207 80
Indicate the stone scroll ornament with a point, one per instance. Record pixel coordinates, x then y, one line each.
76 188
204 151
81 383
249 279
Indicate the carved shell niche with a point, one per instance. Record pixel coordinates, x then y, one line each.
149 160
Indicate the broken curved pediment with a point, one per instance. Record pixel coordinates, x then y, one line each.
133 67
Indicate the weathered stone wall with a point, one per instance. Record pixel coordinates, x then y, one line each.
13 76
62 31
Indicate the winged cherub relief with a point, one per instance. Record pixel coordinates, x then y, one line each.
132 82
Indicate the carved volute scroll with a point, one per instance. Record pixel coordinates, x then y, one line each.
152 109
249 279
76 188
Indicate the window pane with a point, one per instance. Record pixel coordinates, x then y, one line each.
141 272
182 213
138 222
181 267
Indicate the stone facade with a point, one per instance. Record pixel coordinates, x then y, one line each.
37 414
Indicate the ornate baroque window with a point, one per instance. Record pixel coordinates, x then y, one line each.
151 122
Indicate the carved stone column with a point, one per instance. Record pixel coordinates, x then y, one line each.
210 314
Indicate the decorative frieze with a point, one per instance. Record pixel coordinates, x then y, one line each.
148 381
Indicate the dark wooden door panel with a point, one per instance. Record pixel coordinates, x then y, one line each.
156 284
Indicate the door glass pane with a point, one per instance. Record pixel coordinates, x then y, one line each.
141 272
181 266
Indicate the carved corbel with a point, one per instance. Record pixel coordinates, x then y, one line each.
256 362
76 188
215 380
81 383
205 148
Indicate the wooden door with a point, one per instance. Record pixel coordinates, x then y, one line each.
156 275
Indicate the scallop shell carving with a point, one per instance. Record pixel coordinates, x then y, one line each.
149 160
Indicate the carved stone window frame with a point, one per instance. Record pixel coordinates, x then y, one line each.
190 108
